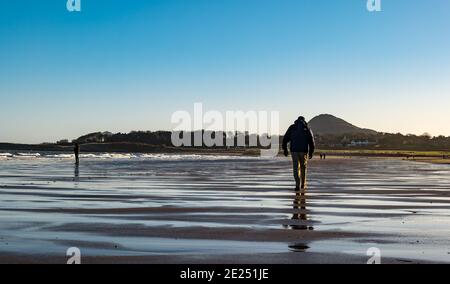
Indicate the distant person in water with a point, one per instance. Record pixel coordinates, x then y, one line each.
76 150
301 140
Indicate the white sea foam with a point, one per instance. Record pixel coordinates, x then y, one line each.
26 155
108 156
158 157
6 155
190 157
60 156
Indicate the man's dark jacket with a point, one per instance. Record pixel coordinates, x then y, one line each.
301 138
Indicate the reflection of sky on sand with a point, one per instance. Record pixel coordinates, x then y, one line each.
404 250
396 202
94 245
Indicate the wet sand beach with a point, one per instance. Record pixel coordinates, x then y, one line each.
218 209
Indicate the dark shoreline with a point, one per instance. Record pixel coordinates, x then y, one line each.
126 147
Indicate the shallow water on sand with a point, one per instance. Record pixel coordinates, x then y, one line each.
171 205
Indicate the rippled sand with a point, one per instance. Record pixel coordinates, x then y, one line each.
195 209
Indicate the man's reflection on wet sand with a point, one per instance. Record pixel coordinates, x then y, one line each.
76 175
300 214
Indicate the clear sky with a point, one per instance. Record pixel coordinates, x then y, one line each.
128 65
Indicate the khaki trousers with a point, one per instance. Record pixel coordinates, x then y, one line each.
299 164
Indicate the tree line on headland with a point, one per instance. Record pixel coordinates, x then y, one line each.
382 141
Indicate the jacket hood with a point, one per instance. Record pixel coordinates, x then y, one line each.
301 121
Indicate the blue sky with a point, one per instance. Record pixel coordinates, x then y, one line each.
128 65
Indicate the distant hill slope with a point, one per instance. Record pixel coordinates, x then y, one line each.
329 124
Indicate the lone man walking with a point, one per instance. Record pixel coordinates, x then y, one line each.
301 140
76 151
